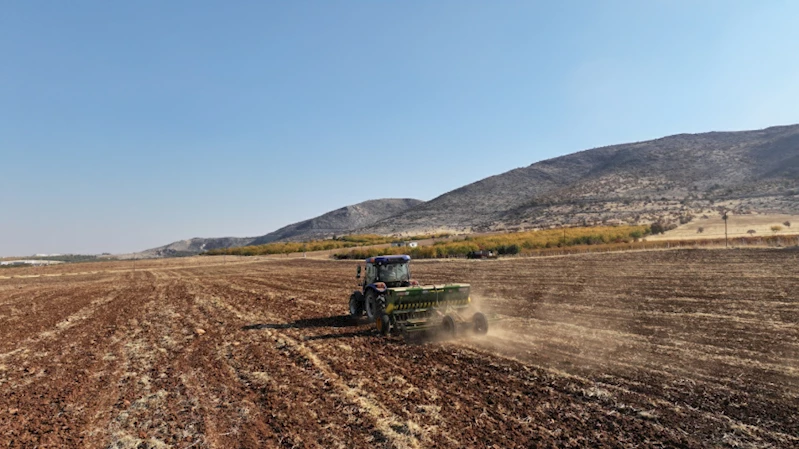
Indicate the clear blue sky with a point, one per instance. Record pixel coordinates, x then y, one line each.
126 125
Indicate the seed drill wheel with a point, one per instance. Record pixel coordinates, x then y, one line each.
480 323
383 325
356 304
448 326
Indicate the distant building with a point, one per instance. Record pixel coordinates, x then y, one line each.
30 262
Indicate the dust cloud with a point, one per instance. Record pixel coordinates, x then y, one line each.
553 335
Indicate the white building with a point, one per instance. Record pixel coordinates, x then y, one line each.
30 262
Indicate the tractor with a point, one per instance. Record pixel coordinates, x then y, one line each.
397 303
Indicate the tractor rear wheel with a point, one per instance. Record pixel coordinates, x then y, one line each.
356 304
480 323
448 326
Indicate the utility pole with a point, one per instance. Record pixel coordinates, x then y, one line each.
724 217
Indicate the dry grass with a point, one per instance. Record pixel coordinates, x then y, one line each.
737 226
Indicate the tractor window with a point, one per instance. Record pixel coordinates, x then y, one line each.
371 273
394 272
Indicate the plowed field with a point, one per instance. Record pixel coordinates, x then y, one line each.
650 349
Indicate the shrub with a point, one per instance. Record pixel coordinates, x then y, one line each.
658 227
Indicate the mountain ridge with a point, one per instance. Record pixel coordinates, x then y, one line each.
336 222
341 220
631 183
666 179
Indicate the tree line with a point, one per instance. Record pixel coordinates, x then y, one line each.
511 243
337 242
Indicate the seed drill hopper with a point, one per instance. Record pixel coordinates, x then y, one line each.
397 303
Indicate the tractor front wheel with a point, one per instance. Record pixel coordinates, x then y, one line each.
383 324
372 307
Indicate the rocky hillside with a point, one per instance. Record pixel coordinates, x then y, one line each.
193 246
340 221
671 179
664 179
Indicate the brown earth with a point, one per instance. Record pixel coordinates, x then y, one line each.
691 348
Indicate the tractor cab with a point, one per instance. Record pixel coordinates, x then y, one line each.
393 271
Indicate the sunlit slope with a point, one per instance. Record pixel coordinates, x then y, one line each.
630 183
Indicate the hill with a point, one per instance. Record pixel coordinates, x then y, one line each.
337 222
191 247
668 179
340 221
671 180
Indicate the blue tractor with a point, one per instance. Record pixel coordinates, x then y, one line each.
394 301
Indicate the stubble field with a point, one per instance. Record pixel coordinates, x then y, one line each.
690 348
